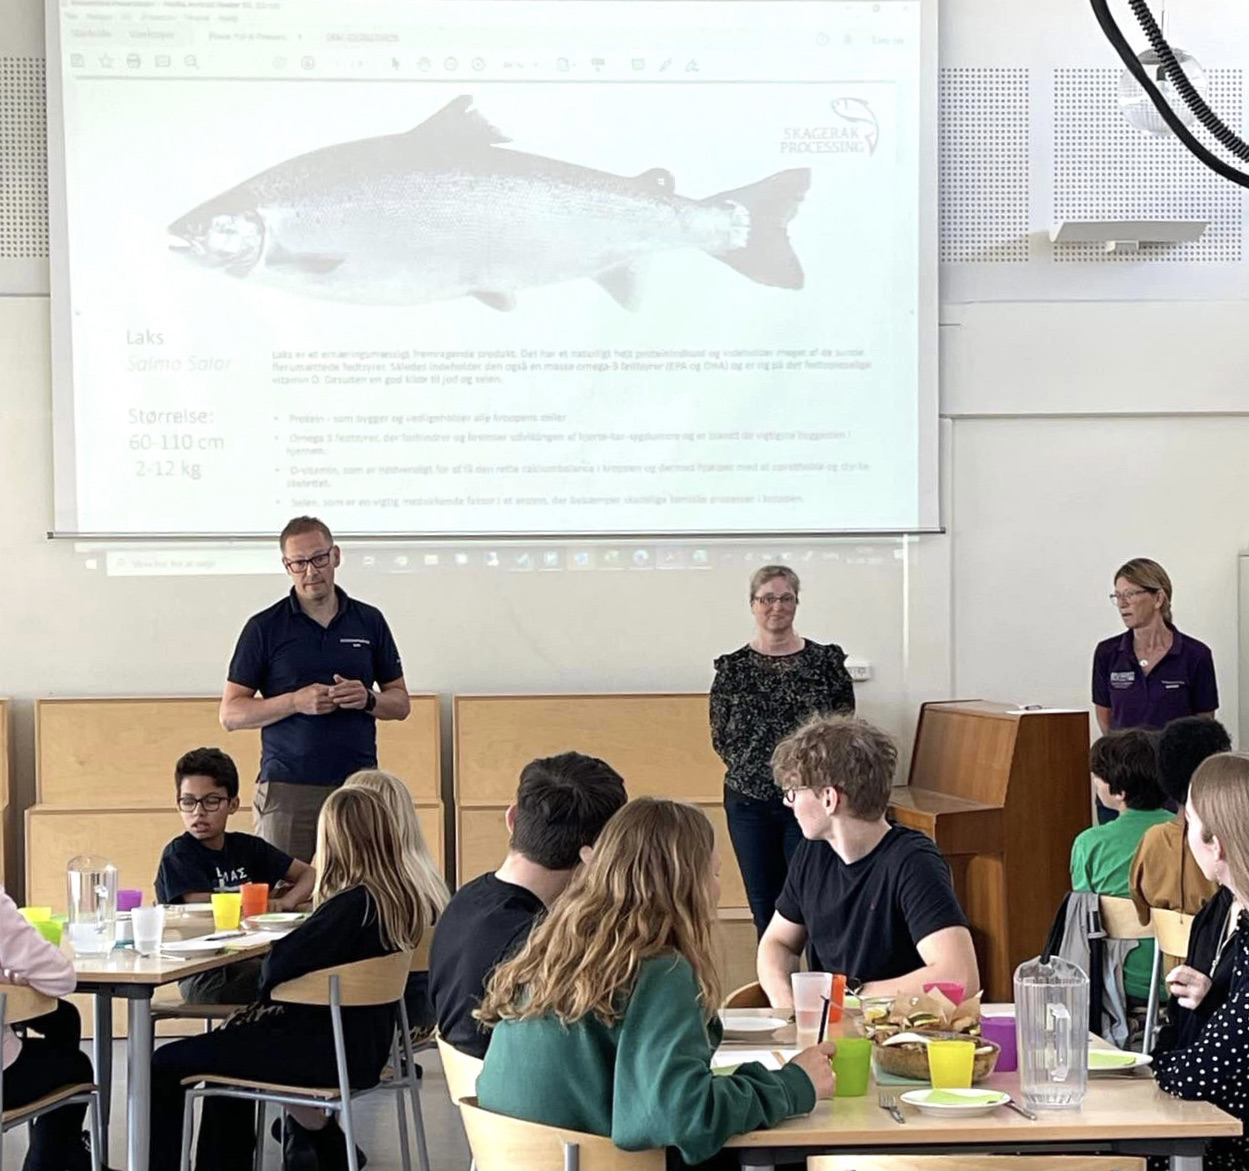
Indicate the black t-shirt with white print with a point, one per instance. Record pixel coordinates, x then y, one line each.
189 867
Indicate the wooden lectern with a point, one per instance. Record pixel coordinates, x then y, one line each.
1003 793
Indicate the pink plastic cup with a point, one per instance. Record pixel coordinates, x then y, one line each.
1001 1029
127 900
948 988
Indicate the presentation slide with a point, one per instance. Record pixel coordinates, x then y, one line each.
493 268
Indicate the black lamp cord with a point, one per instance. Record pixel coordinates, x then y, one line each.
1225 136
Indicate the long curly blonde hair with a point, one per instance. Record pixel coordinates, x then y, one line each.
645 893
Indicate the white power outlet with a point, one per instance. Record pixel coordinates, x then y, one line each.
859 670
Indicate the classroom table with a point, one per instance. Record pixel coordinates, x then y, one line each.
1121 1113
125 975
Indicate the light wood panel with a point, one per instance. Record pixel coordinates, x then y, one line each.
92 752
482 844
132 839
660 744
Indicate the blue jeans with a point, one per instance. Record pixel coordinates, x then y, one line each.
765 835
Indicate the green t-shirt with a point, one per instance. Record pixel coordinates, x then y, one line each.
1101 858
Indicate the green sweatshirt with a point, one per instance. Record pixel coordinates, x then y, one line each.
646 1081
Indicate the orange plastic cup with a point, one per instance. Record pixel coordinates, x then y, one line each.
255 896
836 1002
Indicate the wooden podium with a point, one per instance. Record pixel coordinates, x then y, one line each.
1003 793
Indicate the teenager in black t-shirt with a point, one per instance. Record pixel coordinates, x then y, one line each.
206 858
873 901
562 804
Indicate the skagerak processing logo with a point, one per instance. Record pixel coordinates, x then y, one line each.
851 128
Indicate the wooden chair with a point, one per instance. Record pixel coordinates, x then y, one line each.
1171 932
460 1069
1120 921
747 996
366 982
19 1003
500 1143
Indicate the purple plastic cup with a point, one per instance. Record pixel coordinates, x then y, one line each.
1001 1029
127 900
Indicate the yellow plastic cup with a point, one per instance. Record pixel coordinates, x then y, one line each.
950 1064
35 914
227 907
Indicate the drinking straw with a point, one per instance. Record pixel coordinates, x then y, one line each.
823 1021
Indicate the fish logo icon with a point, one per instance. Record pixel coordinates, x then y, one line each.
859 113
449 210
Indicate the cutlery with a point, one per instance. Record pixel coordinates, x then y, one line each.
889 1101
1018 1109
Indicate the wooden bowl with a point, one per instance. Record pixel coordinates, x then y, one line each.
910 1059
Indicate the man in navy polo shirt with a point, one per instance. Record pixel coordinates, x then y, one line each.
304 672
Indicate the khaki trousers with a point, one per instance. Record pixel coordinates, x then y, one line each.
285 815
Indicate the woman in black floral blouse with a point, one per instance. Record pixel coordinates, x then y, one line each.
761 693
1215 1067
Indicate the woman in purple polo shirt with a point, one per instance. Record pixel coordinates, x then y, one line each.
1150 674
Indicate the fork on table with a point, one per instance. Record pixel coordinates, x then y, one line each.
889 1101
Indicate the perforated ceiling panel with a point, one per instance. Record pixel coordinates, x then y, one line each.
1104 169
23 159
984 132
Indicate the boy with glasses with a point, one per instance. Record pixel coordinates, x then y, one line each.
207 858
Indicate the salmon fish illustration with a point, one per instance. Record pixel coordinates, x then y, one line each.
445 210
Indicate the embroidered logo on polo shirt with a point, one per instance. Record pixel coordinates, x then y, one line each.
1122 678
1173 684
356 641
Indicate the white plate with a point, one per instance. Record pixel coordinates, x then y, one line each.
970 1109
750 1028
1138 1059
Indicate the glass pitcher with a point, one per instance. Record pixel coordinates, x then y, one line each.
1052 1032
92 904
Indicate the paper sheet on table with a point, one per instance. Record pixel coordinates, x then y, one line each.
726 1061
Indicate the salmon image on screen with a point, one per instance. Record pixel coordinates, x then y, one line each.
447 211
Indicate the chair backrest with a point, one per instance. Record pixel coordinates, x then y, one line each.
1171 929
1120 920
747 996
23 1003
499 1143
460 1069
420 953
377 981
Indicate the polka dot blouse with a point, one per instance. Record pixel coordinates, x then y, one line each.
1215 1068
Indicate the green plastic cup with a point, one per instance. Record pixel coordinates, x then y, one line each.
852 1063
49 929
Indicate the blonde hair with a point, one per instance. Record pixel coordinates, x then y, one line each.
1220 797
767 572
645 893
842 752
1148 575
358 845
430 887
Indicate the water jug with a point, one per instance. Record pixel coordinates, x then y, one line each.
92 905
1052 1032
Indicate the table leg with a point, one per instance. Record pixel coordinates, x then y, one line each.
102 1059
1186 1163
138 1081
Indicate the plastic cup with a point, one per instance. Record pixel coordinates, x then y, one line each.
950 1064
49 929
255 898
127 900
1001 1029
810 990
949 989
35 914
852 1063
148 924
227 907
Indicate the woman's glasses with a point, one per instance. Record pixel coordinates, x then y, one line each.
777 599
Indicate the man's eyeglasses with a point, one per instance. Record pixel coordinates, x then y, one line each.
210 804
1127 596
777 599
299 565
788 795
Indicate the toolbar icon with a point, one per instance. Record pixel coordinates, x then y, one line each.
163 60
190 61
77 60
451 64
307 62
133 60
479 63
562 64
638 63
598 63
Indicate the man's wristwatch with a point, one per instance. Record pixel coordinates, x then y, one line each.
370 701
